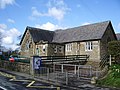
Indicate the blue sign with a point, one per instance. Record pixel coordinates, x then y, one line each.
36 62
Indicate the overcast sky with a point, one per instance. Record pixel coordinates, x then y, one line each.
16 15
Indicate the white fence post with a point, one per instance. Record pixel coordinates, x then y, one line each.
78 72
32 71
54 68
48 73
110 60
75 69
62 68
66 74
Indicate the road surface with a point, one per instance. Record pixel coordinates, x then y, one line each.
11 81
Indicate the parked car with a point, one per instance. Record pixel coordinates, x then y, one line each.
18 58
13 57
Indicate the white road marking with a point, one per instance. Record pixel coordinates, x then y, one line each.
13 78
2 88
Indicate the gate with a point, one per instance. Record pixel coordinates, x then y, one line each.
85 71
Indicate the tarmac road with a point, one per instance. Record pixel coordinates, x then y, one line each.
19 81
5 84
10 81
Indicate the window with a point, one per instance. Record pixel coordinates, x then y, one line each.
69 47
37 51
61 49
55 49
27 45
44 48
89 46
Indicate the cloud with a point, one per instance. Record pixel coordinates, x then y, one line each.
7 40
86 23
36 13
3 26
56 9
48 26
9 36
56 13
4 3
11 20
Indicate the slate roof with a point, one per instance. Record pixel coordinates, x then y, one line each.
118 36
40 34
82 33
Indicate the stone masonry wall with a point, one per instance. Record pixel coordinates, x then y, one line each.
75 46
15 66
107 37
78 48
94 54
27 52
55 50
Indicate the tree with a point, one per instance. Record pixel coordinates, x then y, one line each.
114 50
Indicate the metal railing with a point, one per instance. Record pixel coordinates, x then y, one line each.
65 73
104 61
64 59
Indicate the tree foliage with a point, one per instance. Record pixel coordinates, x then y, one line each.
114 50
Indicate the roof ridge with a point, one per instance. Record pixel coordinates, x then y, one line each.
35 28
108 21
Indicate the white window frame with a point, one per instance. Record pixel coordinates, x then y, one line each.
44 48
68 47
37 51
27 45
88 46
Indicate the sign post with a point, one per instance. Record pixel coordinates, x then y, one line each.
35 64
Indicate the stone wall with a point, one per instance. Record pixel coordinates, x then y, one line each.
27 46
78 48
94 54
107 37
15 66
56 50
75 49
41 49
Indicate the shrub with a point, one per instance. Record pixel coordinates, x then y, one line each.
114 50
115 70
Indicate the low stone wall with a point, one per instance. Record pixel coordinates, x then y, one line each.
15 66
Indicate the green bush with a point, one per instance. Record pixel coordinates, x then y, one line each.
113 78
114 50
115 70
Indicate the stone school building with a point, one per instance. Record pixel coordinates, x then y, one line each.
89 40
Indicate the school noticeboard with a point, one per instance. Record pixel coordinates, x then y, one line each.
36 62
